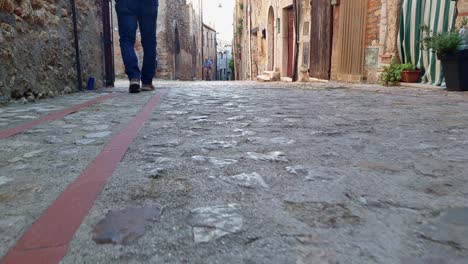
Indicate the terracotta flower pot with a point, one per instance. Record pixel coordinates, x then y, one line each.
410 76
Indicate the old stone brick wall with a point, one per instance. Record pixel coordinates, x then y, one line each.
373 21
304 41
241 34
210 48
37 47
463 7
372 44
260 53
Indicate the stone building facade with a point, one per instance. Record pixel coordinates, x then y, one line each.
348 41
210 48
179 41
381 35
224 72
37 51
266 38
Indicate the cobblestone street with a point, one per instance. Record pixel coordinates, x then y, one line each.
237 172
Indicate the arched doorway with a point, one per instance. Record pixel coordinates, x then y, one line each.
271 39
177 57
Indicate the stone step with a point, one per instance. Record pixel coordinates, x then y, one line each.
263 78
274 76
286 79
311 79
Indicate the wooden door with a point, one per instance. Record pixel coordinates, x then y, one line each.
290 42
353 14
321 39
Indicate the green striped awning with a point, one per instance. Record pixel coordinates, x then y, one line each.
439 16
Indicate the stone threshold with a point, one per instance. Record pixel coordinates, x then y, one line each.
421 86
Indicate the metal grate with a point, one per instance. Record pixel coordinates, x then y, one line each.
306 54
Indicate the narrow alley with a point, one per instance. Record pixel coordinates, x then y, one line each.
236 172
234 132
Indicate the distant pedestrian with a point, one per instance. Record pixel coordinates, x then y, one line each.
142 14
207 65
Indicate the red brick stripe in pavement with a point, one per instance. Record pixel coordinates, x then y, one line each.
50 117
47 241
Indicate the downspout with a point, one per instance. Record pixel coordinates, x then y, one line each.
77 46
108 43
202 41
216 55
297 14
249 10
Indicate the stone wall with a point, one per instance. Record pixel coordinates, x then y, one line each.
463 7
259 34
373 43
210 49
37 47
381 28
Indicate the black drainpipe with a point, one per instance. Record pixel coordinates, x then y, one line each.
77 46
297 17
108 43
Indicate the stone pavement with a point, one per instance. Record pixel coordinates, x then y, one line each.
245 172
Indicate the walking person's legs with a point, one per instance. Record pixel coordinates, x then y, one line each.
127 20
147 21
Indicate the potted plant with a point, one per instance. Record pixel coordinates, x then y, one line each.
409 73
454 61
396 72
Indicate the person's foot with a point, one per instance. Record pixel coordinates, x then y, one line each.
134 86
147 87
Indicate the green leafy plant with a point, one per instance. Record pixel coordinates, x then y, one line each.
239 30
241 5
231 65
240 27
391 74
407 67
440 43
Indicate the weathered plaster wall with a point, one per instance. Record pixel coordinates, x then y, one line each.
260 44
463 7
335 43
210 49
37 47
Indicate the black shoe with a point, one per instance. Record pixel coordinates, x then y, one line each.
147 87
134 86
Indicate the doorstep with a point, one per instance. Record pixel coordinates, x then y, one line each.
421 86
318 80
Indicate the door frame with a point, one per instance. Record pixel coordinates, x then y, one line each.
271 39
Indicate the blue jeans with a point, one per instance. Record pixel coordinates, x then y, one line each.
132 14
